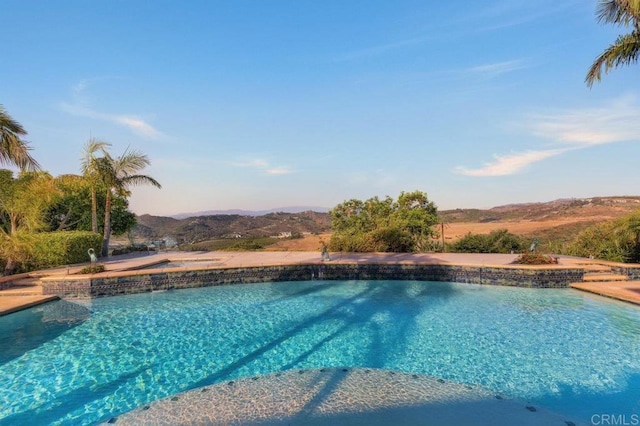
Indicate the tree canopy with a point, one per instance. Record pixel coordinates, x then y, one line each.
616 241
384 225
23 200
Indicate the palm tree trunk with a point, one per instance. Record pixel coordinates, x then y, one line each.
10 266
94 211
107 225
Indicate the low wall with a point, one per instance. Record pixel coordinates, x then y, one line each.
632 271
105 285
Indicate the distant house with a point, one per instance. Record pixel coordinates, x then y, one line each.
170 242
285 235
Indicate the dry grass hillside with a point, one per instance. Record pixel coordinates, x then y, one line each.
557 221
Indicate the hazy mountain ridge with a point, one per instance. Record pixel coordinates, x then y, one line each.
221 225
240 212
201 228
605 207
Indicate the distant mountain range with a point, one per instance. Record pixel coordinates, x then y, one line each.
239 212
205 227
202 226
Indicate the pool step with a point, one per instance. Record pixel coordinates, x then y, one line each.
627 291
603 277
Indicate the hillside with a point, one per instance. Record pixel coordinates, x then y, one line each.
202 228
557 220
597 207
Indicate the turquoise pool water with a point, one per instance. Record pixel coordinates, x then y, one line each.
87 361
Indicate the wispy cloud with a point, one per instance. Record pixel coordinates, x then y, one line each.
80 107
498 68
510 13
379 49
264 166
617 121
572 130
509 164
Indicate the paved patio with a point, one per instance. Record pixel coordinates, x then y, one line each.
628 291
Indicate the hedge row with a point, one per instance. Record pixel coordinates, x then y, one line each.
52 249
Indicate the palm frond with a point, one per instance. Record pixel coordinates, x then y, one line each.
131 161
623 12
89 152
625 51
14 150
140 180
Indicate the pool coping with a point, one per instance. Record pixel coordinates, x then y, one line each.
119 282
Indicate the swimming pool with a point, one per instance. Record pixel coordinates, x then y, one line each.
87 361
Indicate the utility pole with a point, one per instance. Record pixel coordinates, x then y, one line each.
442 233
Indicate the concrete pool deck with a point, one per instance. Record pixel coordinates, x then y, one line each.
18 297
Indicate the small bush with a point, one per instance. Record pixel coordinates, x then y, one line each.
535 259
93 269
499 241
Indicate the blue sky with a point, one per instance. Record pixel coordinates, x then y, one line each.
263 104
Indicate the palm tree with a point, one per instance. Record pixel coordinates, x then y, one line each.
13 150
89 167
626 49
118 174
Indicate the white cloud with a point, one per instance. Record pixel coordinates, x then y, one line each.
137 125
80 107
572 129
509 164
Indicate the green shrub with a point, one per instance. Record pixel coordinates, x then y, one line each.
384 225
350 243
93 269
249 244
616 241
51 249
499 241
535 259
390 239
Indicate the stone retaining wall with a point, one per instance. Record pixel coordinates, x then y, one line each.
103 285
631 271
